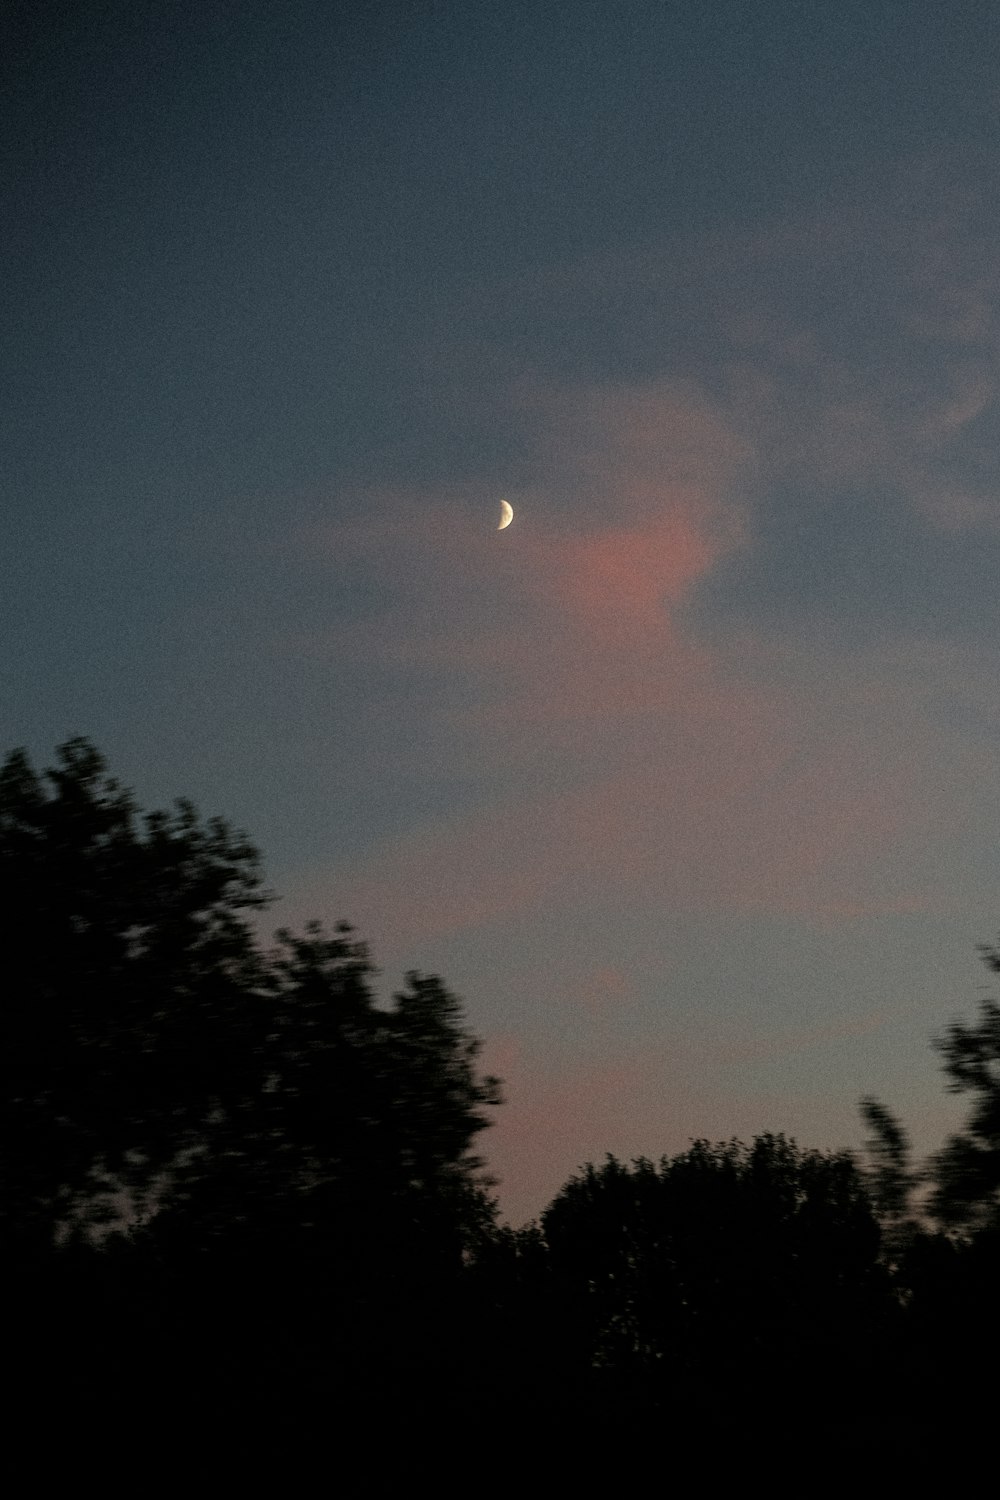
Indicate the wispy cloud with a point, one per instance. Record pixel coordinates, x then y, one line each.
615 751
612 740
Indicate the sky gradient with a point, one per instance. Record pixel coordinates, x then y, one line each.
687 782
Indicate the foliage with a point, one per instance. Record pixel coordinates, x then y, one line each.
149 1047
352 1122
967 1171
892 1180
724 1253
130 962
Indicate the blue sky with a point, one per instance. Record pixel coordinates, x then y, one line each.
687 781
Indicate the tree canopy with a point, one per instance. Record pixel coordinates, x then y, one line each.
725 1251
150 1047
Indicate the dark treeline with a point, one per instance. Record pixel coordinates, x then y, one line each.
243 1216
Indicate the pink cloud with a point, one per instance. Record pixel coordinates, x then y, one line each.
570 605
723 818
621 764
620 581
620 758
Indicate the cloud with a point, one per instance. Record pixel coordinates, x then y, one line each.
851 342
620 728
621 582
707 679
710 825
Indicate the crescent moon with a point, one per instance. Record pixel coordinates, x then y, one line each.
506 515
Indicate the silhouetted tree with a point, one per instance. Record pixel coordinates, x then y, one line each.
149 1045
944 1280
728 1262
891 1177
131 977
352 1132
295 1158
967 1171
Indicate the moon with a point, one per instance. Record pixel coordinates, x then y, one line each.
506 515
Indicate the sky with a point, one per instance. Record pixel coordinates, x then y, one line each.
688 781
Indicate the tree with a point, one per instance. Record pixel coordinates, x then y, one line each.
726 1262
967 1171
351 1128
130 967
891 1176
150 1047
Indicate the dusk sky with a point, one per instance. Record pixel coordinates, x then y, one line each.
688 782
